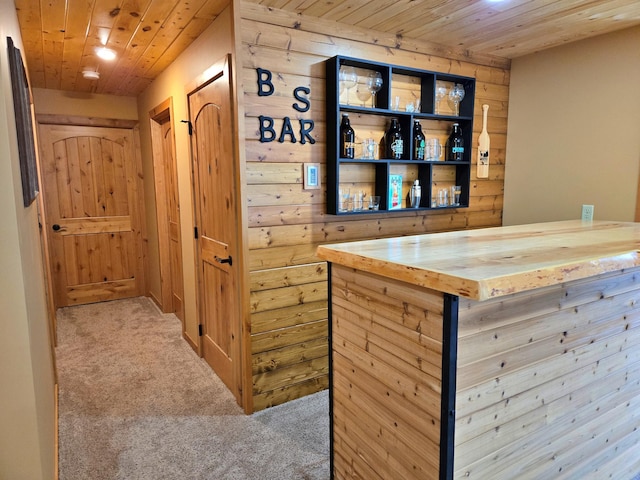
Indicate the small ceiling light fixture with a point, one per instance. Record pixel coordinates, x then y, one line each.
91 74
106 53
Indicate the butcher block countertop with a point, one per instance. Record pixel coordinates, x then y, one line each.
493 262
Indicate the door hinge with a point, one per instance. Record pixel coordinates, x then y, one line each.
195 232
200 330
189 124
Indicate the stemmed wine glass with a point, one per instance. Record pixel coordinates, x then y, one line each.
441 92
374 82
349 78
362 91
456 94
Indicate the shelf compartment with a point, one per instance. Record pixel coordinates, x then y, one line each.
466 106
405 91
358 177
443 177
349 97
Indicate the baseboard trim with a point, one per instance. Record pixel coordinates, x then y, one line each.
56 468
191 343
153 297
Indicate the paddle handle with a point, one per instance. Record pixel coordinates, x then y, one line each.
483 146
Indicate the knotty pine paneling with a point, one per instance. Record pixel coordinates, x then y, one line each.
286 223
570 355
387 351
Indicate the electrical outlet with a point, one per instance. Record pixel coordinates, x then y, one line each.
587 213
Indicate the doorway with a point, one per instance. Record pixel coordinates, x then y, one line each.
165 173
92 197
216 206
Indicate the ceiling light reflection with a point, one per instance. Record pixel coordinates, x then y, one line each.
106 53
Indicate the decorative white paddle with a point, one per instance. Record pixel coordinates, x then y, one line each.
483 146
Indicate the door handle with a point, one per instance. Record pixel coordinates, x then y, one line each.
224 260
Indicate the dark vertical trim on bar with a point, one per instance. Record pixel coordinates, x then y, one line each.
330 372
448 400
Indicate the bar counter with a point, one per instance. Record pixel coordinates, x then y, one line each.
500 353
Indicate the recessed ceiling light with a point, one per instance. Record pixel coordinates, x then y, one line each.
91 74
105 53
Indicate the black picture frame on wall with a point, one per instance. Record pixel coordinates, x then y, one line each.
24 124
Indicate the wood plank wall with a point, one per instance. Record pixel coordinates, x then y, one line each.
387 343
549 383
288 283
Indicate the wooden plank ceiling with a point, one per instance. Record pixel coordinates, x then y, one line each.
61 36
60 39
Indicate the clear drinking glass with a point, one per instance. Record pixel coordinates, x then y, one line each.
349 79
358 198
456 94
456 191
374 81
441 92
369 149
344 200
443 198
413 106
362 91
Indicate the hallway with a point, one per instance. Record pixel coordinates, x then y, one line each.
135 402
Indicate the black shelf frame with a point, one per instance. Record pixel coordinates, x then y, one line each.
428 80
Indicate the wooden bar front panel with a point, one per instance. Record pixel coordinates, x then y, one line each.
548 382
387 353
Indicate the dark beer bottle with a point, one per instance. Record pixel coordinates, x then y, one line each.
394 144
347 138
418 141
455 145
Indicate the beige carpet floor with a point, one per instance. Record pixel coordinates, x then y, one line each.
136 403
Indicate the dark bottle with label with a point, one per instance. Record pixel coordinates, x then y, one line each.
455 145
394 145
347 138
418 141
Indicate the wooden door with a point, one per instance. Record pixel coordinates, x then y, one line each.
217 243
173 217
168 210
91 199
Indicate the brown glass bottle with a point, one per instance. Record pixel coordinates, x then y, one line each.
455 145
394 144
347 138
418 141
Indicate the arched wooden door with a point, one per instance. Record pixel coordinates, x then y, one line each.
90 188
216 221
